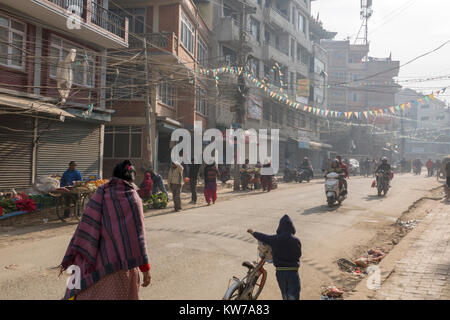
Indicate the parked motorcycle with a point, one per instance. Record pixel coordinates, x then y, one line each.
383 178
303 175
334 188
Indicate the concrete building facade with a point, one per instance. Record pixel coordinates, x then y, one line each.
279 51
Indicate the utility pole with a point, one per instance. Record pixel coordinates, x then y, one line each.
242 89
402 132
150 109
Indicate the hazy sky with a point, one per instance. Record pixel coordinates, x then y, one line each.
407 28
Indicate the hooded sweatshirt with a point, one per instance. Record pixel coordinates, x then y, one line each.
286 248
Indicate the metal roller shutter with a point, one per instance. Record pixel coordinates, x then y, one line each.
16 148
59 143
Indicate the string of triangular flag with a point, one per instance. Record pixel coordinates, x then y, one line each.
283 98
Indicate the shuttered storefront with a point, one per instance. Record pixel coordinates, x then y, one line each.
16 149
61 142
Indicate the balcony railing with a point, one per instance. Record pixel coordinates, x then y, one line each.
107 20
163 41
99 16
76 6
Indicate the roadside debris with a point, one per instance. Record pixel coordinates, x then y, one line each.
410 224
11 266
359 266
346 265
332 293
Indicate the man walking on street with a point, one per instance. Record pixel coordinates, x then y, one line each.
176 182
193 179
286 252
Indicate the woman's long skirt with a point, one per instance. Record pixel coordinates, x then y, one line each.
121 285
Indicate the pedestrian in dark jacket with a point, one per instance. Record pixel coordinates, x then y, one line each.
286 252
193 179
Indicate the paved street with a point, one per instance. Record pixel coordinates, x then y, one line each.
194 253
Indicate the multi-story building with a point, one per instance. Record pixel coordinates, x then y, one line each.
424 127
359 83
178 44
279 51
39 132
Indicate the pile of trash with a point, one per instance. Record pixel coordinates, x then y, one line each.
359 266
332 293
410 224
372 257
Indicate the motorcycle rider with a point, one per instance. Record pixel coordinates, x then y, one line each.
384 166
306 165
335 167
345 168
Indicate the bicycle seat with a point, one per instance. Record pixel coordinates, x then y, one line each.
248 264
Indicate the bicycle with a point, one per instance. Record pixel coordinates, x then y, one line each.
244 289
74 203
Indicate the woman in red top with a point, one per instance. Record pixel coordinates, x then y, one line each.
211 173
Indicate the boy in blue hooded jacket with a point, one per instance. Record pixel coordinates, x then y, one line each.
286 252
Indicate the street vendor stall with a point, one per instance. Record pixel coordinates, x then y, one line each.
67 202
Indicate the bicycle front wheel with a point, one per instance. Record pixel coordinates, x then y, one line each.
233 292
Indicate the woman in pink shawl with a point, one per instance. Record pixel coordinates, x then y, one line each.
146 187
109 245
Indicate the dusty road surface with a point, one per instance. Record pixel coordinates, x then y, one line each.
195 253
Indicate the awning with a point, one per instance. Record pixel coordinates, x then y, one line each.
319 145
33 106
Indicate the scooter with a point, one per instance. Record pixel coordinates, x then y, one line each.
334 190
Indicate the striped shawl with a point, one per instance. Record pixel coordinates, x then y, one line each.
110 236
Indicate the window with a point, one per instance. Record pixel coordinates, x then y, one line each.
202 52
302 121
83 67
266 35
425 106
304 56
123 143
255 26
355 97
292 81
425 118
229 55
313 125
293 49
290 118
167 93
187 33
201 103
12 42
136 18
354 77
266 112
301 23
254 66
440 118
319 66
227 11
